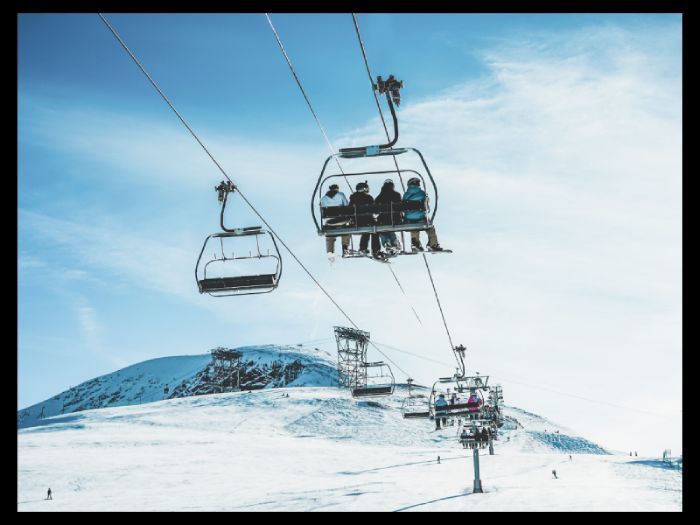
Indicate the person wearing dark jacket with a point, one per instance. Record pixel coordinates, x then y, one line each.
389 195
414 193
359 198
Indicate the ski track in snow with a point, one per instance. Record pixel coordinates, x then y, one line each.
318 449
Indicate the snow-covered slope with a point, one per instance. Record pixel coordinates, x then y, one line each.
261 367
316 448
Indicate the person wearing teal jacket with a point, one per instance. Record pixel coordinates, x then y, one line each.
414 193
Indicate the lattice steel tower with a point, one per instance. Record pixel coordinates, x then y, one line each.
352 353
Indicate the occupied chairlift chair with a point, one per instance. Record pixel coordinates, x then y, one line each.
374 218
471 435
241 284
464 397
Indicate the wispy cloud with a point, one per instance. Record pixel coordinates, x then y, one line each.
559 174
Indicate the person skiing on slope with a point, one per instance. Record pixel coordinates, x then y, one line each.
48 494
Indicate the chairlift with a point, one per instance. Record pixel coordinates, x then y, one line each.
463 397
378 217
221 275
475 435
374 379
415 405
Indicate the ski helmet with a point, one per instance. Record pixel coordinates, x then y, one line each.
414 181
362 186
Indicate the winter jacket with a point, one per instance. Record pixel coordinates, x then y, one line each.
386 196
474 403
413 194
359 198
440 403
338 199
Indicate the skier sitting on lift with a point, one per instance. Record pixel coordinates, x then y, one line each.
440 409
334 197
463 437
473 402
386 196
414 193
360 197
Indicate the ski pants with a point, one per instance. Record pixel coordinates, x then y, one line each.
432 236
364 240
330 242
388 238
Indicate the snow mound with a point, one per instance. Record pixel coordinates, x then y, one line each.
314 448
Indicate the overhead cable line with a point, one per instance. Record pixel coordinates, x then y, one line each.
437 298
320 126
388 138
308 102
155 85
404 294
374 94
537 387
381 115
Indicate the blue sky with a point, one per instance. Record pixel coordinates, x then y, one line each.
555 141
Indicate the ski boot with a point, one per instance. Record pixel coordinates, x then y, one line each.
391 250
435 248
416 246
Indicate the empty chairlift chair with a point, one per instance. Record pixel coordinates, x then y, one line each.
238 261
415 405
227 272
374 379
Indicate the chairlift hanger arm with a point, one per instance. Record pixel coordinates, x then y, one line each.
390 87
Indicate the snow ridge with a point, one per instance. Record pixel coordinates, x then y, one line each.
267 366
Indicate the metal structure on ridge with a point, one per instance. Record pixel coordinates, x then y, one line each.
363 378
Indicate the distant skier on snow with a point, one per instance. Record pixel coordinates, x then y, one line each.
48 494
554 473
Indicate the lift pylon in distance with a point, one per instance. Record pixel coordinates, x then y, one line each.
238 261
397 215
363 378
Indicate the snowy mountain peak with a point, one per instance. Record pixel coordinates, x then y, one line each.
220 370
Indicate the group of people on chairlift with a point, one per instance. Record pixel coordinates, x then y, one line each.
386 240
442 407
482 436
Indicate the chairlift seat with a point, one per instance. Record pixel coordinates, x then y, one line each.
246 282
372 391
408 415
371 218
